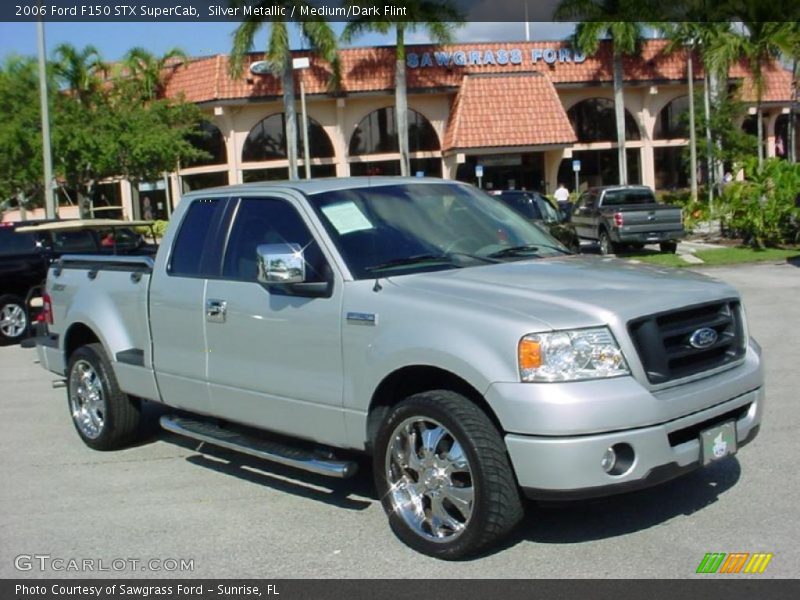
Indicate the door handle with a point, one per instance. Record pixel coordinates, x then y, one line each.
215 311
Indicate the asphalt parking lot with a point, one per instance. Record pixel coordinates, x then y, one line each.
234 517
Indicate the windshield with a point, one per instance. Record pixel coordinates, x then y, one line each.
406 228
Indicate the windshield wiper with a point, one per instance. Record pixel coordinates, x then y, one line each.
413 260
525 249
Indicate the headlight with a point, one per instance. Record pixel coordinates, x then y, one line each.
570 355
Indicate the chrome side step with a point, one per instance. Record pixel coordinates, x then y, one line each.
264 449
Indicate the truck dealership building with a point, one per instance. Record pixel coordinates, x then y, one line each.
524 112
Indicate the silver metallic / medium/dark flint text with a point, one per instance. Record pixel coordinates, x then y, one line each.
47 562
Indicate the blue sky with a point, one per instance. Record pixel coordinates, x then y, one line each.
198 39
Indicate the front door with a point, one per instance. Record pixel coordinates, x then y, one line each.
274 359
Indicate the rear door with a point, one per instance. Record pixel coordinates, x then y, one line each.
177 313
275 360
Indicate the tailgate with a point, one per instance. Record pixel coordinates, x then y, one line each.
651 219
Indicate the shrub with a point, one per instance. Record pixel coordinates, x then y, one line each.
762 209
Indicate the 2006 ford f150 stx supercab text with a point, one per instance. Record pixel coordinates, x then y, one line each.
420 322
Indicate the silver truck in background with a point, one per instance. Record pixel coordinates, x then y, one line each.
627 215
420 322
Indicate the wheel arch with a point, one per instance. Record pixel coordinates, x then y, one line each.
412 379
77 335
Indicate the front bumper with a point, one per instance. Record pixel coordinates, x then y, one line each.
569 467
557 433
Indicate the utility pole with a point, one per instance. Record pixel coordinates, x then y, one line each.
49 200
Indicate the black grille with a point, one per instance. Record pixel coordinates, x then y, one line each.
662 340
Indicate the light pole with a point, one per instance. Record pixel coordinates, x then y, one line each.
49 200
300 64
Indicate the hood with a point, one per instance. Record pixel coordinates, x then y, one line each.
571 291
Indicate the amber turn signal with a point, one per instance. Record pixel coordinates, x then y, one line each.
530 354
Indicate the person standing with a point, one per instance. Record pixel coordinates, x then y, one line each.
562 198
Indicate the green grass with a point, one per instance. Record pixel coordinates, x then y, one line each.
718 256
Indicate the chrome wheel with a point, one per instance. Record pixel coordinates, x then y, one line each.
86 399
430 479
13 320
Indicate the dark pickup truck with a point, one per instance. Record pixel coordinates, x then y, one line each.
28 247
616 216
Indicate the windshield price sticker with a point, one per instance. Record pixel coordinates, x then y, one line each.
346 217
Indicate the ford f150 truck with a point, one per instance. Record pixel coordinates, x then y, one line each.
417 321
616 216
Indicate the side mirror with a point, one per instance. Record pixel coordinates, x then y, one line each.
280 264
282 268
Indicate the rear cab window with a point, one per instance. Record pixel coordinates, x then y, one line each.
195 252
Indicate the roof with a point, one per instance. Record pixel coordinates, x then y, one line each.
318 186
78 224
476 122
369 70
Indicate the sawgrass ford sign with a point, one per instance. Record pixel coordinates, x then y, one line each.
504 56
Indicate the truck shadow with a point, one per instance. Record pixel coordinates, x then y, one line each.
613 516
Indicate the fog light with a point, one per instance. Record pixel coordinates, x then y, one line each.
609 460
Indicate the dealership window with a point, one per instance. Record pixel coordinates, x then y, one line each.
673 120
671 167
593 120
201 181
267 140
282 173
377 133
209 139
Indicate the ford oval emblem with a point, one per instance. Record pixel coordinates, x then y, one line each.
703 338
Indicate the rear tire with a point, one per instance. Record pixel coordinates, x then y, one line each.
668 247
104 416
444 476
13 319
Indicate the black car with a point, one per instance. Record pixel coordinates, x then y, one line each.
26 255
537 208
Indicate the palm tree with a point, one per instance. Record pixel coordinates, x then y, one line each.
437 19
79 70
147 71
625 36
318 34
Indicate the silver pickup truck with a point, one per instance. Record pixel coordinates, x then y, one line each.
416 321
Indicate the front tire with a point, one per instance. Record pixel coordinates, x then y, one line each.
104 416
13 319
444 477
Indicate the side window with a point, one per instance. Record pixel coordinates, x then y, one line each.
193 243
269 221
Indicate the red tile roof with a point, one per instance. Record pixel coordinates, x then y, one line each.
476 122
372 70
